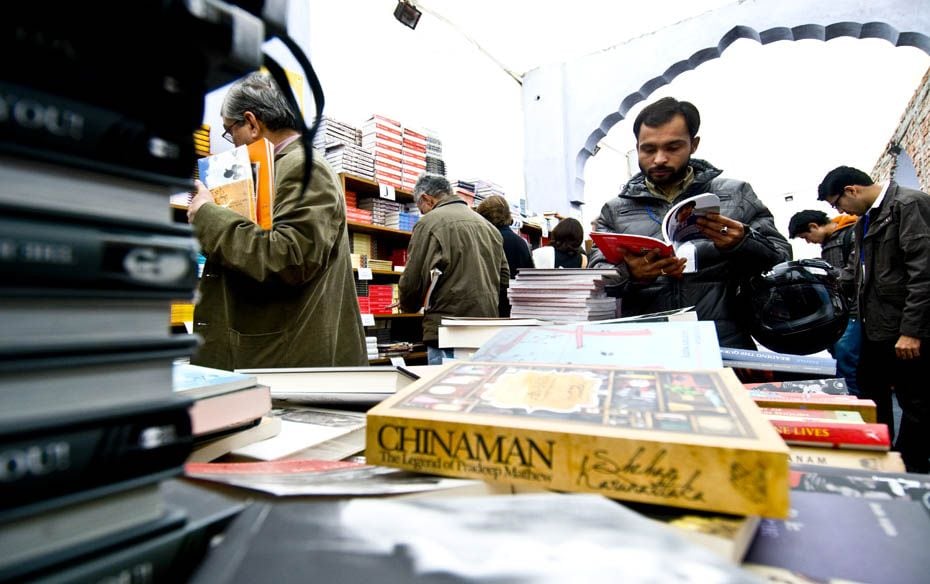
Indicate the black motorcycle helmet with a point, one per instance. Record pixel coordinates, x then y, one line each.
798 307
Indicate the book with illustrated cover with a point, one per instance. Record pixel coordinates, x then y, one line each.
229 177
539 537
689 439
867 483
678 226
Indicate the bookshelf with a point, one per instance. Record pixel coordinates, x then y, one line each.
385 241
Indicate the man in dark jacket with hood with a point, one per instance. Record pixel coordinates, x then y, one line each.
742 238
892 272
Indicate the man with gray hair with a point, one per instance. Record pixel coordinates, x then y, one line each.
283 297
466 253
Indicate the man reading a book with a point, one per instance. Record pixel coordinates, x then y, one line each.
283 297
459 246
737 243
891 260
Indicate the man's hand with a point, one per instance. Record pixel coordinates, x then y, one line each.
203 195
725 233
649 266
907 347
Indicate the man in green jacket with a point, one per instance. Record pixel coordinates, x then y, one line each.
283 297
467 251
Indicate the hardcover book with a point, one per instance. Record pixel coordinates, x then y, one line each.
831 386
867 483
678 226
770 361
261 155
814 401
688 439
332 385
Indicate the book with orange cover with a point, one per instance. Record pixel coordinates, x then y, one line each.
261 154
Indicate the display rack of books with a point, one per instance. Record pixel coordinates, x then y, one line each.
380 226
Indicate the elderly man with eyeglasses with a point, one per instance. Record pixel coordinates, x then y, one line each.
283 297
892 275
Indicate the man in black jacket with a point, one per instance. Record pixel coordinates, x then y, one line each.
892 275
742 238
836 238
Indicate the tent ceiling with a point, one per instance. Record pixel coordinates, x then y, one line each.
524 34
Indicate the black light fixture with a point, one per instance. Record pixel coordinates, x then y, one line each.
407 14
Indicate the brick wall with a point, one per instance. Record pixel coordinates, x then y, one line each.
912 136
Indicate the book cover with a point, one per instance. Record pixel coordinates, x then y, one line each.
233 409
651 345
261 155
679 225
833 434
815 401
196 381
831 386
49 255
333 385
520 538
228 175
53 457
852 538
688 439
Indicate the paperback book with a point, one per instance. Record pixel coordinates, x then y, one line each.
332 386
869 460
830 386
229 177
833 434
678 226
687 439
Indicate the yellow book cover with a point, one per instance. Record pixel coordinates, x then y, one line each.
228 175
261 153
691 439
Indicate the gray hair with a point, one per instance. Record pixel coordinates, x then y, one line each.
259 93
434 185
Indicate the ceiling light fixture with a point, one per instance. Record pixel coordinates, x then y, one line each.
407 14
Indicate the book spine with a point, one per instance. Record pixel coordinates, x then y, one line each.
865 408
836 435
728 354
58 255
54 459
816 369
752 482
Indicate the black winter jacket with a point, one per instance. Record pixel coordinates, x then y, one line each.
712 290
894 291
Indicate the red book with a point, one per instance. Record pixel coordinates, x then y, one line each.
615 246
834 434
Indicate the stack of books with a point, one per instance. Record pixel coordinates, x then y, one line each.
351 159
383 137
414 157
561 294
335 133
434 161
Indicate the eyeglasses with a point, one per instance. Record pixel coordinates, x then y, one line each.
227 131
834 200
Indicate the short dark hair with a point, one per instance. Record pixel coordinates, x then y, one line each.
662 112
800 220
567 236
839 178
496 209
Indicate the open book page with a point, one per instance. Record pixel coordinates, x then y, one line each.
228 175
680 223
434 275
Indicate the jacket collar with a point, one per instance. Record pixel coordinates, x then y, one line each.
704 172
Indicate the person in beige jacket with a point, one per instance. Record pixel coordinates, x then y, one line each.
284 297
467 251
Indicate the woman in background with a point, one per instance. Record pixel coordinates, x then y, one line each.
496 210
564 249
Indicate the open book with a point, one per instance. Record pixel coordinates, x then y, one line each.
678 227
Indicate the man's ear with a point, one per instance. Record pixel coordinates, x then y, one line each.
694 143
256 128
812 227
